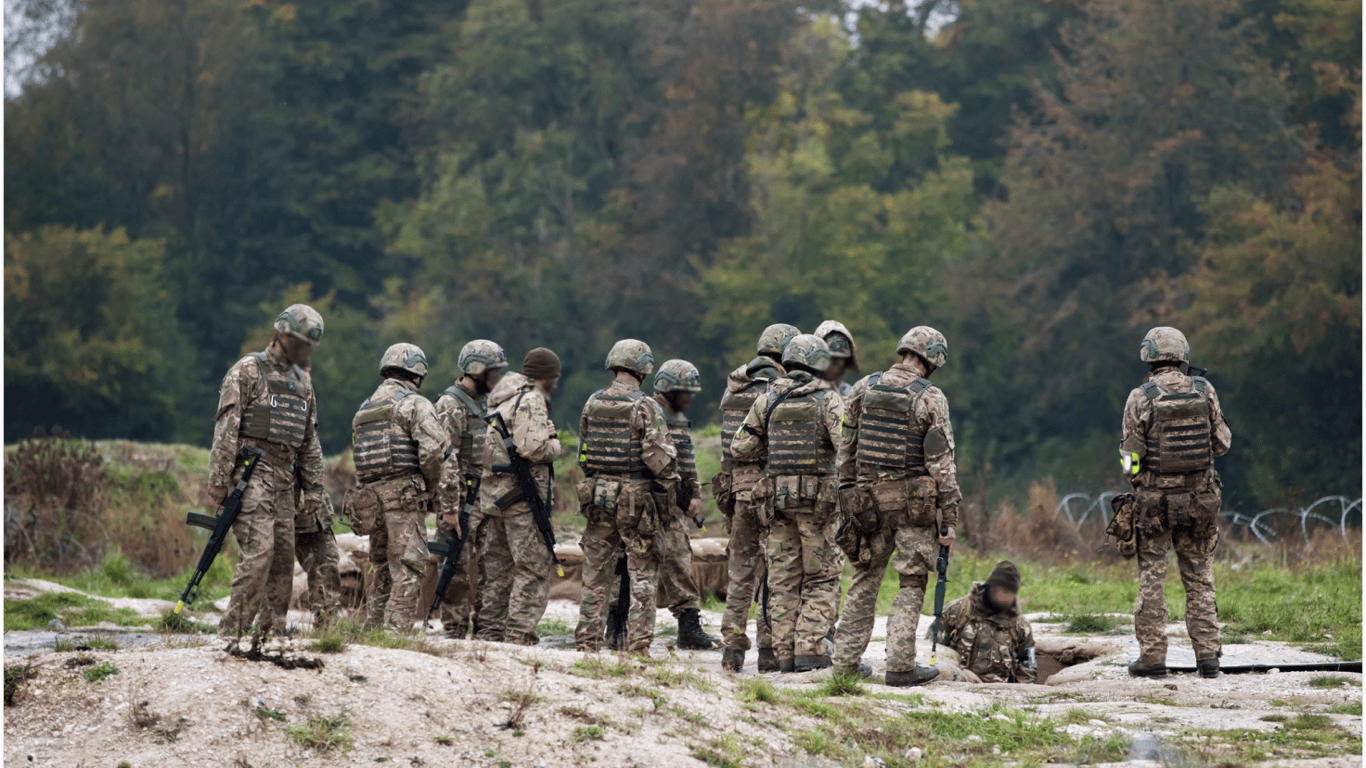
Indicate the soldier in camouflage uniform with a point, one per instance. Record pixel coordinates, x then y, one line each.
400 449
266 401
675 385
461 410
994 642
747 519
315 547
843 355
516 586
1173 428
898 484
630 468
797 423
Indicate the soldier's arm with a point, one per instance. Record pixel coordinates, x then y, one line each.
749 438
656 447
846 464
236 389
939 448
433 447
1133 429
532 431
1025 674
310 469
832 418
952 632
1221 436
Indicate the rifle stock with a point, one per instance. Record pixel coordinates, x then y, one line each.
228 511
942 566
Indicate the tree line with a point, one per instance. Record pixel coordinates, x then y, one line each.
1042 180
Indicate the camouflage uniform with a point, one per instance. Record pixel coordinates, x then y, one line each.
1178 491
462 418
800 435
992 645
516 585
399 454
269 404
625 450
905 470
315 547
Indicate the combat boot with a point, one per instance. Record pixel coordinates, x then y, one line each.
1136 669
786 665
732 660
918 676
1207 667
768 662
809 663
862 671
690 634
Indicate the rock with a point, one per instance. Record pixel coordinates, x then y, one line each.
1099 723
56 625
974 737
872 762
913 754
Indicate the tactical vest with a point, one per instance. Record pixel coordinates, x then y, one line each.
734 408
610 447
888 433
681 433
1178 442
281 414
470 449
795 443
383 449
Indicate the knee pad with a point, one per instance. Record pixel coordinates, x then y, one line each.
916 580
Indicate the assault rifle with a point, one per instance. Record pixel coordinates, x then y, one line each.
616 619
450 548
942 566
684 498
526 489
220 525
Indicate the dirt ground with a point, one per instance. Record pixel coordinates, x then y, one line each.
179 700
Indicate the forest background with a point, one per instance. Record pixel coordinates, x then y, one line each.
1042 180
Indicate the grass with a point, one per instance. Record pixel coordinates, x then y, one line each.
1349 708
758 689
1303 736
16 678
1094 624
599 667
100 671
551 627
322 733
1332 681
841 684
583 733
71 609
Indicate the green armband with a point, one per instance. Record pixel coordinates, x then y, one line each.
1129 462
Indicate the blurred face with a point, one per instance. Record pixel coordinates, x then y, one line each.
838 365
681 400
1000 596
296 350
491 378
548 385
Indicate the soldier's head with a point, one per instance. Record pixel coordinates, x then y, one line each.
1002 586
404 361
1164 346
807 352
678 381
927 345
483 362
543 367
774 340
297 331
631 356
843 352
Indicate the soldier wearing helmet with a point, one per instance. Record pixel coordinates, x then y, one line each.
676 382
899 494
796 424
266 401
631 470
1172 429
461 409
843 354
400 449
515 587
747 520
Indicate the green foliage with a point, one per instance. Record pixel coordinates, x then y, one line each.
1091 623
583 733
16 676
73 610
100 671
323 733
1333 681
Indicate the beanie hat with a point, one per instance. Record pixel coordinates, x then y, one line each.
541 363
1005 575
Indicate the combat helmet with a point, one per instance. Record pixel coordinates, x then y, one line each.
479 356
678 376
1164 343
774 339
631 355
807 351
926 342
302 322
404 357
840 341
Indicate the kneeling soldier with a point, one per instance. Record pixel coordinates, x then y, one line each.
994 643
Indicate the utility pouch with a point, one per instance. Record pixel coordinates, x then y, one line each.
860 506
637 521
889 497
721 491
583 489
810 488
850 543
827 500
1180 507
923 497
787 492
662 501
362 509
1121 526
1151 513
1206 514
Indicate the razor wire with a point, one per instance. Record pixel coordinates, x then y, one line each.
1335 511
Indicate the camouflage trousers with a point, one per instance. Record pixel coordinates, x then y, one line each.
460 606
398 554
1195 560
317 554
803 581
601 545
677 585
265 542
915 550
747 569
516 586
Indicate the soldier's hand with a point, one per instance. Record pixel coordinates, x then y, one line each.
448 523
694 507
947 540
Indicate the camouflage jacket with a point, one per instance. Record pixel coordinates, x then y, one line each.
649 428
759 369
417 416
243 386
1138 413
456 420
688 479
992 646
751 439
526 412
931 412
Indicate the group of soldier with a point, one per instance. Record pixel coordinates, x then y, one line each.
814 473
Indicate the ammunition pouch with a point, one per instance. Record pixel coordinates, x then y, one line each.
1151 515
1121 526
827 500
1205 516
637 520
722 491
661 498
909 502
853 544
859 506
363 510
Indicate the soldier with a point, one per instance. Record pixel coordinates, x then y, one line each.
898 489
675 385
630 469
1173 428
994 642
266 401
461 410
797 423
516 586
399 452
315 547
747 519
843 355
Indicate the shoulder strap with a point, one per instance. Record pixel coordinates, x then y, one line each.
463 397
768 417
874 379
1200 384
1151 390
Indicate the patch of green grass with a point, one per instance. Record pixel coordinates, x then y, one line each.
583 733
1309 722
1332 681
1274 717
444 741
118 576
724 752
322 733
1279 703
270 714
71 609
1093 624
641 690
673 676
330 644
841 684
16 677
176 623
758 689
100 671
599 667
549 627
1348 708
1092 749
